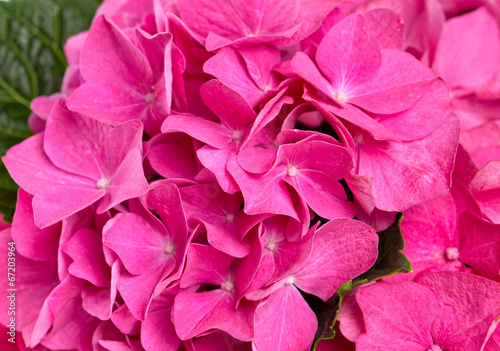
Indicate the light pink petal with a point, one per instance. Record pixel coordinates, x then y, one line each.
284 322
29 154
196 313
474 38
401 178
199 128
31 241
54 204
238 19
229 68
482 143
426 115
393 318
98 302
469 305
232 110
388 93
127 182
480 245
486 187
125 321
363 189
348 55
387 26
108 55
342 250
42 105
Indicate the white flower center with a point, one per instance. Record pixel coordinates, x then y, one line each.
236 136
292 171
149 98
169 249
270 246
290 280
230 218
451 253
102 183
227 286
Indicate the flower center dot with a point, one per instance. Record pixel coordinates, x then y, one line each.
227 286
451 253
292 171
230 218
340 97
236 136
149 98
102 183
169 249
435 348
271 246
290 280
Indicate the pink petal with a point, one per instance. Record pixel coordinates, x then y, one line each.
389 164
284 322
387 93
157 331
31 241
387 26
74 142
348 55
199 128
392 317
196 313
474 38
56 203
29 154
342 250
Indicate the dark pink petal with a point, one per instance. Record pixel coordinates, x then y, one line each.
342 250
136 241
128 181
480 245
395 167
263 193
110 102
85 248
199 128
230 69
157 330
31 241
30 155
474 38
51 205
284 322
232 110
74 142
220 342
124 320
138 290
260 61
468 307
34 285
205 265
393 318
216 160
172 156
108 55
352 324
196 313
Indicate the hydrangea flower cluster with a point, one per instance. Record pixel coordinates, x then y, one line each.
209 163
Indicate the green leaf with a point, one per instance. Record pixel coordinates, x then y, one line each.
390 261
32 35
